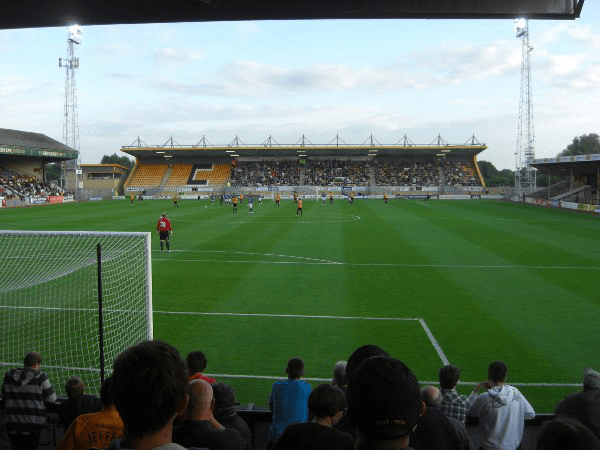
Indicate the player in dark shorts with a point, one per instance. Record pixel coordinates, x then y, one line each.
164 229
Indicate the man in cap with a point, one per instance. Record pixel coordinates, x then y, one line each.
384 403
585 405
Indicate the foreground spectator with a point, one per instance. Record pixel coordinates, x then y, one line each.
584 406
25 393
501 410
384 404
199 428
288 400
453 404
96 430
566 433
196 362
361 354
149 388
326 404
435 430
77 403
225 413
341 380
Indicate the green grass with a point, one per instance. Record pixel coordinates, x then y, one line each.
492 280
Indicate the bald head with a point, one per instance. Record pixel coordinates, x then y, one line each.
431 396
201 400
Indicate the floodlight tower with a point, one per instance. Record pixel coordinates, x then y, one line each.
525 177
71 126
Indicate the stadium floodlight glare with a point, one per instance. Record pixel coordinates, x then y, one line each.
521 26
75 33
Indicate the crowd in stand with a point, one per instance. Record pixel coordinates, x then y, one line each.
456 173
15 186
425 173
266 173
336 173
156 400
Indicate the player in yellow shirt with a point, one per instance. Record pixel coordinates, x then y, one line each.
299 209
277 199
234 202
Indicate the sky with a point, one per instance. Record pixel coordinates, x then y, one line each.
319 79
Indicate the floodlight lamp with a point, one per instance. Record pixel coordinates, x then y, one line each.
75 33
521 26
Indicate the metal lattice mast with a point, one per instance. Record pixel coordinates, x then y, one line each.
71 125
525 175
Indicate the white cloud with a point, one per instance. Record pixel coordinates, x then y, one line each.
173 57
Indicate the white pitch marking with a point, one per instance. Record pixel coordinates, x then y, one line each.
422 382
428 332
315 261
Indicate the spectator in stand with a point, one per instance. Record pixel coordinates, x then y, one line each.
196 362
326 404
361 354
288 400
25 393
437 431
149 388
453 404
501 410
95 430
384 403
225 413
77 403
566 433
340 380
584 406
199 428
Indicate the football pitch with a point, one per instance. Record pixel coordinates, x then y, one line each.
432 282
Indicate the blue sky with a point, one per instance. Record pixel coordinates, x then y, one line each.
352 78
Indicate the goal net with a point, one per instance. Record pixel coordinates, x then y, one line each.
77 298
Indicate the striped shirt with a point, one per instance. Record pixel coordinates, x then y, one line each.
24 393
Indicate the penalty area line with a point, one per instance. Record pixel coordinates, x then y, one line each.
422 322
421 382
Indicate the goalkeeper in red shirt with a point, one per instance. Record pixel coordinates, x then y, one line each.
164 228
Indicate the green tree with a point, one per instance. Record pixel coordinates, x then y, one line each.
53 171
494 177
586 144
116 159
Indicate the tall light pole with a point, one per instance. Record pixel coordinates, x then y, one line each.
525 176
71 126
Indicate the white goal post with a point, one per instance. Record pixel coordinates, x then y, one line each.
78 298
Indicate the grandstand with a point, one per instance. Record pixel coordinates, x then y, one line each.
398 170
580 186
23 159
